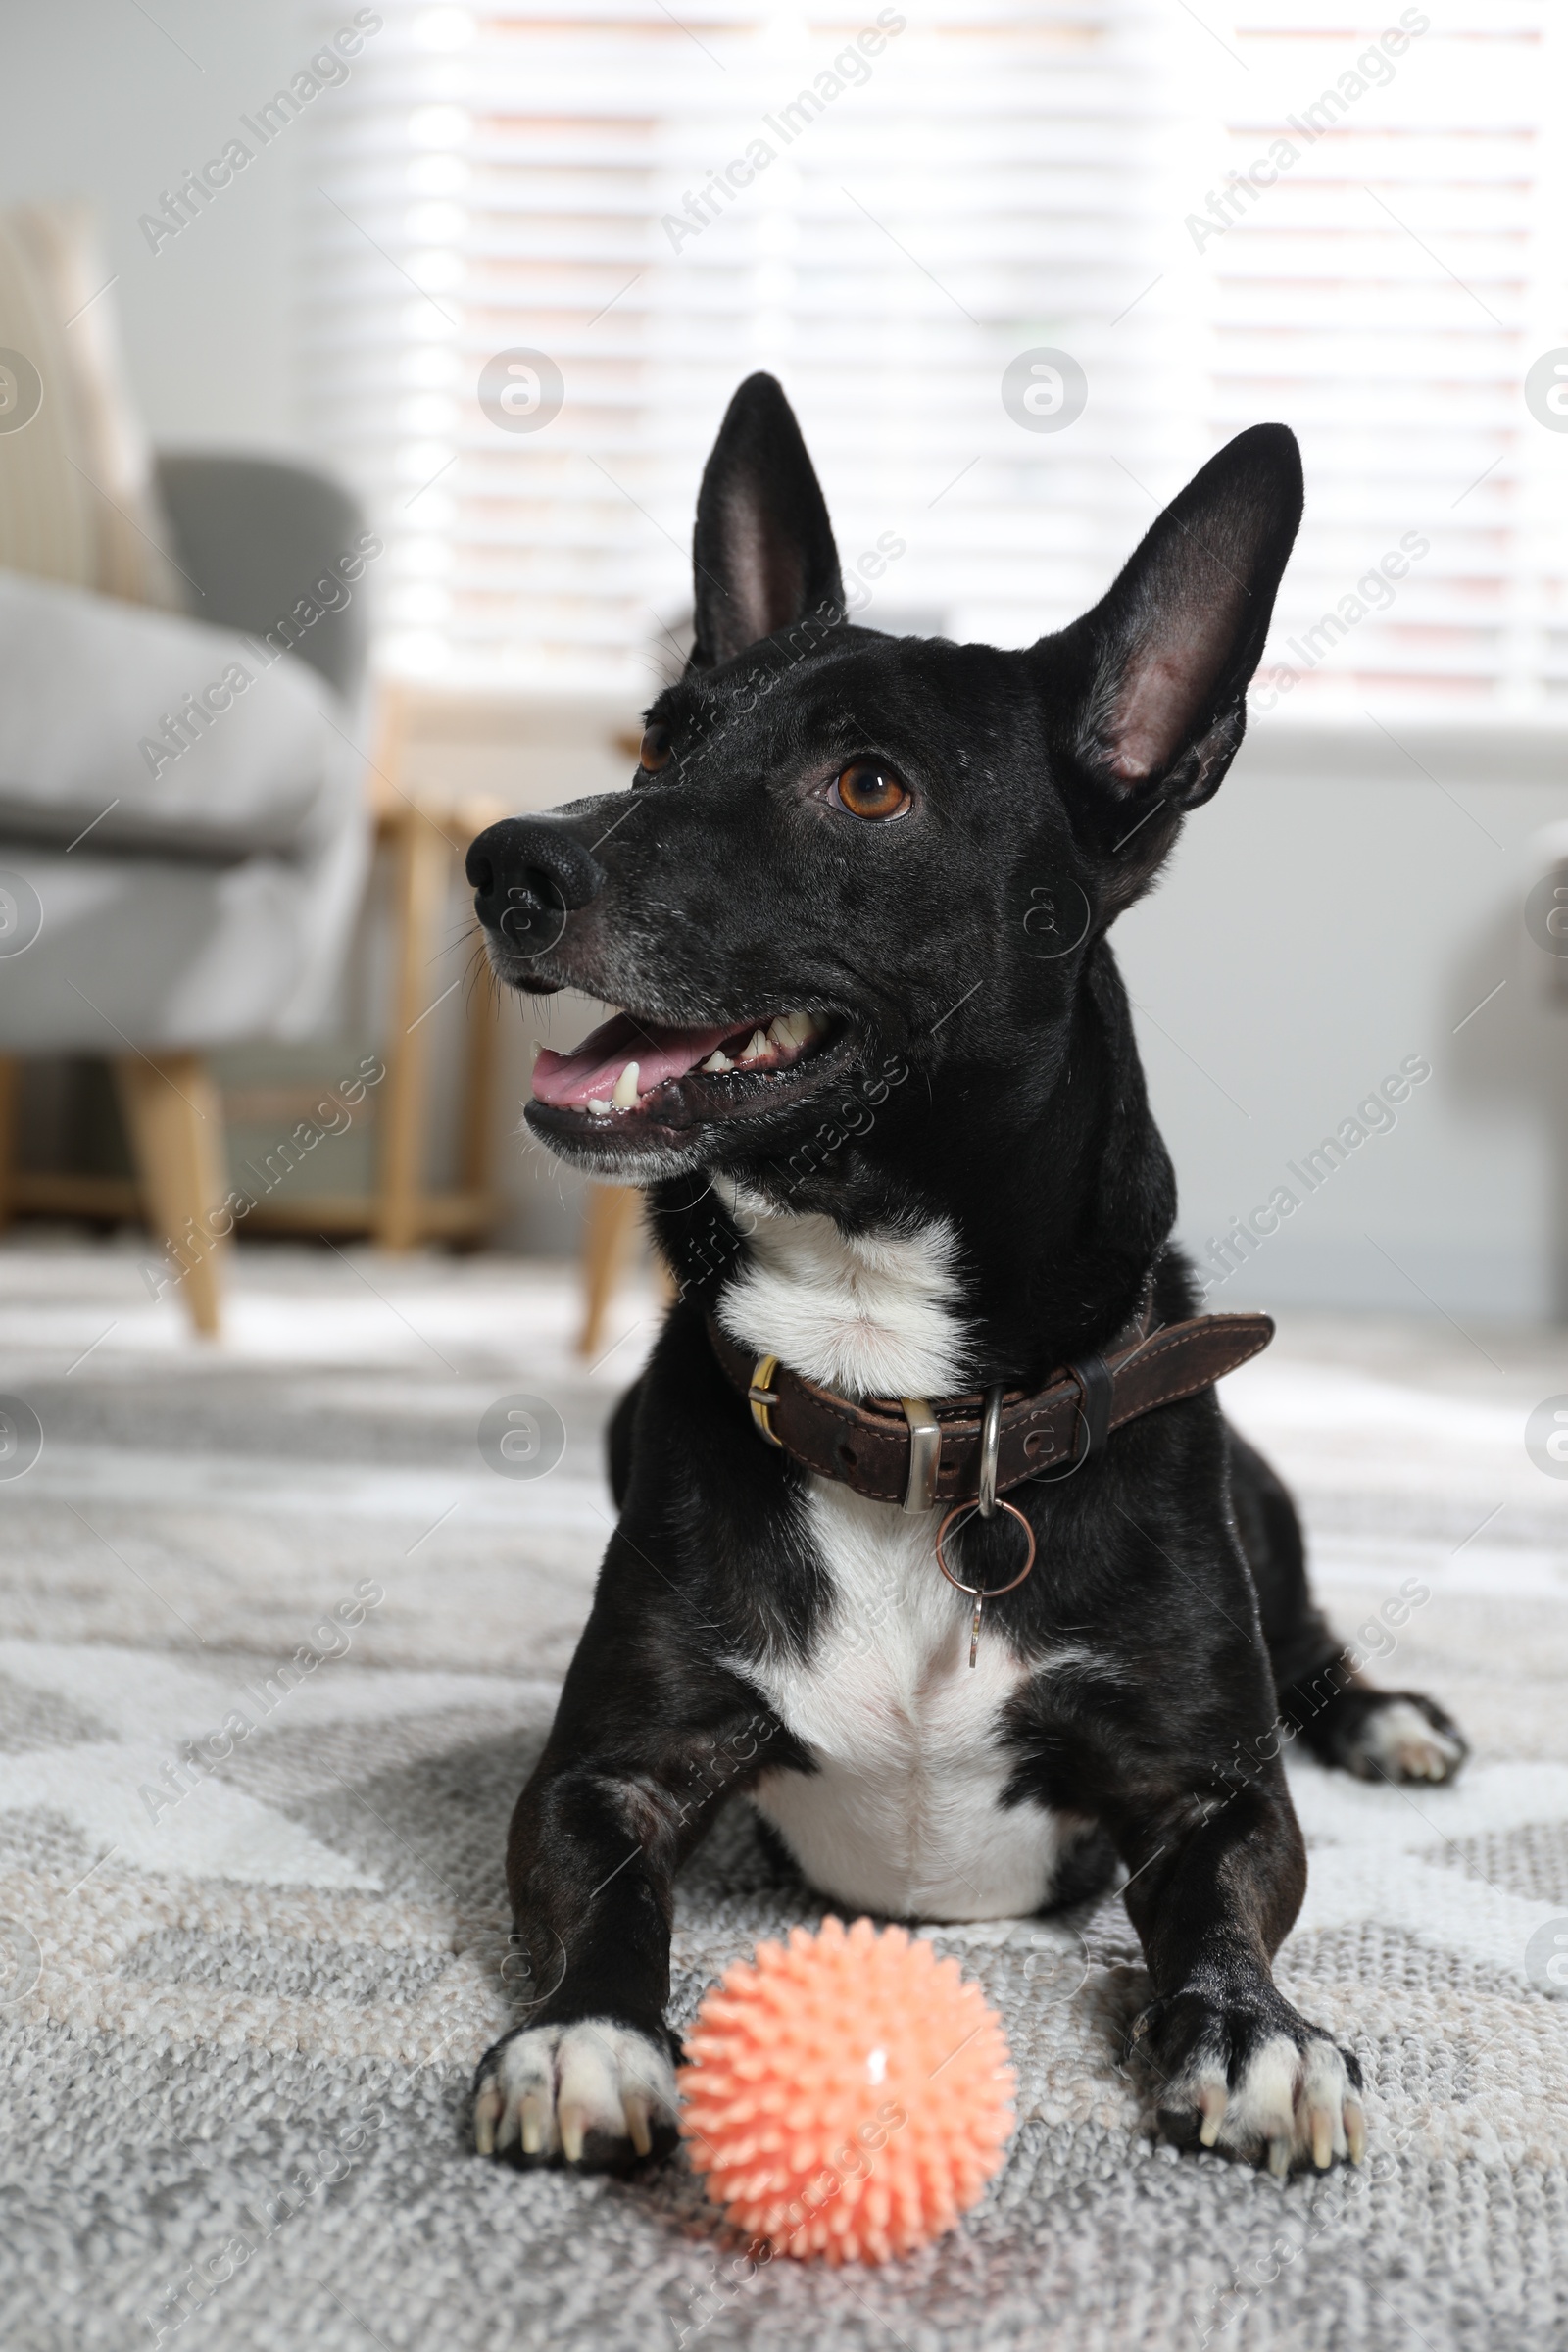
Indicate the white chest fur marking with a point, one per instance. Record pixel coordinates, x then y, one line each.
904 1813
867 1314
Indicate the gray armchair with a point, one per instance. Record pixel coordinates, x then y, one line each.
183 829
253 534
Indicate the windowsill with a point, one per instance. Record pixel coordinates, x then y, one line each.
1391 746
1398 747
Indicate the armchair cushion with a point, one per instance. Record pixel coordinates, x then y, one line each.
158 733
147 953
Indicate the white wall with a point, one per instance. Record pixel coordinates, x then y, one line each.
1334 910
101 102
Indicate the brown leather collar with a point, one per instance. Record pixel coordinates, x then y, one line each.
910 1451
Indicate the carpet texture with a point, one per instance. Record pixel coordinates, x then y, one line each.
241 2000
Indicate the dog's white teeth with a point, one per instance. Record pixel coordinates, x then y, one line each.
624 1094
785 1036
601 1110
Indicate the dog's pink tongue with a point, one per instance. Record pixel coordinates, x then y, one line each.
588 1074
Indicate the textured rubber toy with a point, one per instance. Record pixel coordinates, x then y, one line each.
847 2095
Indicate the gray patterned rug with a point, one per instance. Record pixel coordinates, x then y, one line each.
242 1998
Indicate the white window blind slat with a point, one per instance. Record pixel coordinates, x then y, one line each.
999 178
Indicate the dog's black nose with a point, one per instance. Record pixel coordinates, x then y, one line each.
528 870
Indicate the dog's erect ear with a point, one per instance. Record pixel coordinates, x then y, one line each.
762 552
1156 674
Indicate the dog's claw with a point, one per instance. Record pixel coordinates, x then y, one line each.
1255 2080
1356 2129
595 2094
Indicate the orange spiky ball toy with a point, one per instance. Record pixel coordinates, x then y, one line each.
850 2094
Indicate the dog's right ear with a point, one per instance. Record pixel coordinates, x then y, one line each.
762 552
1149 689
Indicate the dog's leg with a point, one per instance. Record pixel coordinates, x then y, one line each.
587 2077
620 1797
1378 1735
1215 1887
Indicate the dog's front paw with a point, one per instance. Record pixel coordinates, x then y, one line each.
1251 2079
594 2094
1400 1736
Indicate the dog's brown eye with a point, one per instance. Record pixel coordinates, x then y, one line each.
656 750
865 789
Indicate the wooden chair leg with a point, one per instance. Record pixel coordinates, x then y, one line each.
10 1088
174 1116
608 1223
423 860
479 1085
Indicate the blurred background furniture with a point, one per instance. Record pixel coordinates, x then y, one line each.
608 1229
189 808
449 761
212 899
425 824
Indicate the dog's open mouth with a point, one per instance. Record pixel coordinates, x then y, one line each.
635 1079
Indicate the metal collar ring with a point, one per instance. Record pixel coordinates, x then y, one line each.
961 1510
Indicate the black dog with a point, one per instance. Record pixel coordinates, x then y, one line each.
876 1070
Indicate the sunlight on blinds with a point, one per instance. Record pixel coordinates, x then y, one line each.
1020 270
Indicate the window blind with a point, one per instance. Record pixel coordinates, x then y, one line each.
548 240
1387 284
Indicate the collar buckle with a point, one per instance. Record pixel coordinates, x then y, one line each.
762 1399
